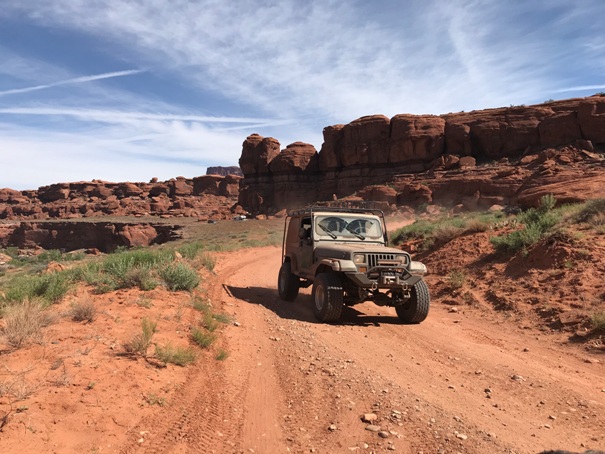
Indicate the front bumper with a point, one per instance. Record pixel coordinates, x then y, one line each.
383 279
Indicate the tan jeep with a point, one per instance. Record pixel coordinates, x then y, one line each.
344 254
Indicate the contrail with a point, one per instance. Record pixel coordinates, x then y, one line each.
581 87
76 80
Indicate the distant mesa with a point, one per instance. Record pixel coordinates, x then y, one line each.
224 171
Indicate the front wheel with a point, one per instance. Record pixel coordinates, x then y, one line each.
327 297
416 309
287 283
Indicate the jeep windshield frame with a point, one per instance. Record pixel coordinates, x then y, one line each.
349 227
365 209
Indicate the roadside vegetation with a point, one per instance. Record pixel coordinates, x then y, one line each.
512 234
573 231
429 233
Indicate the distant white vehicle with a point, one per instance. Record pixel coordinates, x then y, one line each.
240 217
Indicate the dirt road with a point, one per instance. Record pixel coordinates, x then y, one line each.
466 381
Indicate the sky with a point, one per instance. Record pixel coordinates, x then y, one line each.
128 90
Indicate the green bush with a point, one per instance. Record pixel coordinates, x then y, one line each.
50 288
537 222
174 355
593 212
180 276
202 338
191 250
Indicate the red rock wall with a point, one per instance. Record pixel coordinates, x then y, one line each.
373 149
212 195
70 236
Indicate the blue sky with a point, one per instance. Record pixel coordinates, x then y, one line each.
129 90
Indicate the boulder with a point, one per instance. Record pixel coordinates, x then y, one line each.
416 138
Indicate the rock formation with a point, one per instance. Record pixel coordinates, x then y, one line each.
224 171
70 236
554 148
209 195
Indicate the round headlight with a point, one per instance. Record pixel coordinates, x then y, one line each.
359 258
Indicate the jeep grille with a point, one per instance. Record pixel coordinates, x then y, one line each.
386 260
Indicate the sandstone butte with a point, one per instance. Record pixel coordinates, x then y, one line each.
466 160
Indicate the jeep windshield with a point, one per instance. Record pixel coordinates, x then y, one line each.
346 227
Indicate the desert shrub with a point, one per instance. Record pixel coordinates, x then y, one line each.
140 342
50 288
180 276
175 355
592 212
598 321
442 230
537 222
141 277
456 279
446 232
24 322
84 311
207 261
221 355
209 322
191 250
202 338
222 318
200 304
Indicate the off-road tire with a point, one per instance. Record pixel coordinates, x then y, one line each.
327 297
287 283
417 308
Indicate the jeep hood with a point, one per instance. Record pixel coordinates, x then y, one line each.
343 250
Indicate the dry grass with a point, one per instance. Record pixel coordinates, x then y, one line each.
24 322
84 311
140 342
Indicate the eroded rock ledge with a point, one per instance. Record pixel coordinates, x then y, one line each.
207 195
428 158
71 236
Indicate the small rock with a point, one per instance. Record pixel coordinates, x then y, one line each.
461 436
453 310
546 426
526 349
237 324
332 427
553 417
517 378
383 434
369 417
373 428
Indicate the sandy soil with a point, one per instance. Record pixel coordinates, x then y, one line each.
469 380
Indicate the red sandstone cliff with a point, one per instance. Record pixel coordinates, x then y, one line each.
553 147
208 195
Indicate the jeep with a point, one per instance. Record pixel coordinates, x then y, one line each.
344 254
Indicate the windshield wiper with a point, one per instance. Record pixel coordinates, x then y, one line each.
357 234
328 231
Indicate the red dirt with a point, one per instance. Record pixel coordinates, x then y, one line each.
291 384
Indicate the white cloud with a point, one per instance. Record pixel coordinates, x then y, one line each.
294 67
